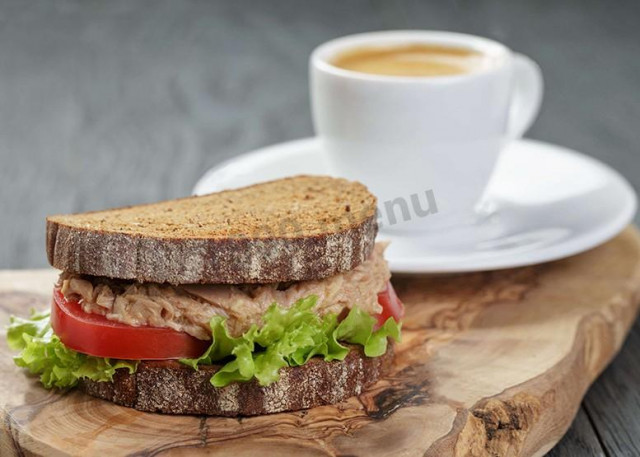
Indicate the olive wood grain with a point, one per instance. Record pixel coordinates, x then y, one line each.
491 364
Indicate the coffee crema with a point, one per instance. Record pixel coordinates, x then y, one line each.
412 60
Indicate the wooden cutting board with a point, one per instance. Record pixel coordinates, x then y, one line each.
491 364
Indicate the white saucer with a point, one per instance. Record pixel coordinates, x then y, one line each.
548 203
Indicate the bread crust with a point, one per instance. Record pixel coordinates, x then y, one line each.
173 388
213 261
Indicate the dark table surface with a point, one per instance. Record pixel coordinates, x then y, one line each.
121 102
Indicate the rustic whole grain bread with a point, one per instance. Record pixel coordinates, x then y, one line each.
293 229
173 388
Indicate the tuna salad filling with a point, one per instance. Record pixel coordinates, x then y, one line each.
190 308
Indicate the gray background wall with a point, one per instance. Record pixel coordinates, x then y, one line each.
106 103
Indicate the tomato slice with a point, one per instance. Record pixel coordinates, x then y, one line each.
391 305
96 335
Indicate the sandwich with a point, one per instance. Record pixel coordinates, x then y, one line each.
269 298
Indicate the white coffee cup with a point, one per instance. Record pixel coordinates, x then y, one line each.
426 146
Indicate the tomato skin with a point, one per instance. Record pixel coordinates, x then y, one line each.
391 305
94 334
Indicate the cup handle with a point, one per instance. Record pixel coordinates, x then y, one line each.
527 95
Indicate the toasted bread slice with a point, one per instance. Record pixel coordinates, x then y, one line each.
172 388
299 228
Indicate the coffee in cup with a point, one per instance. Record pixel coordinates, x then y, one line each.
413 60
421 117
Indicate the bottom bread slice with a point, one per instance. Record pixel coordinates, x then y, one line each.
173 388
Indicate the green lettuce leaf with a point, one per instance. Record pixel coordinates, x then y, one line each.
290 337
42 353
287 337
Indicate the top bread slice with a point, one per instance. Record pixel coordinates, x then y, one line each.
292 229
